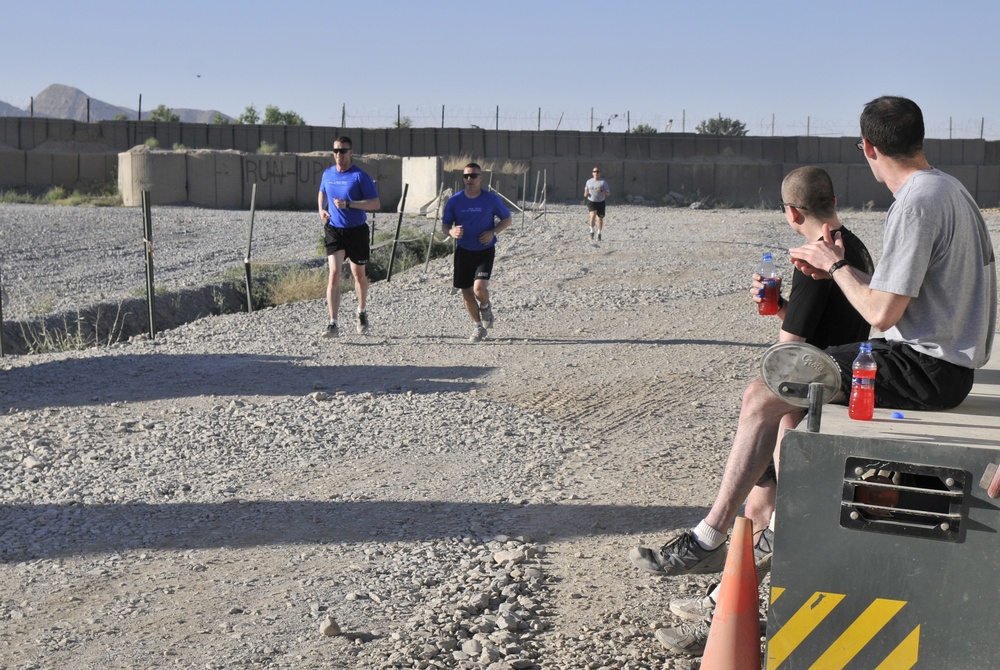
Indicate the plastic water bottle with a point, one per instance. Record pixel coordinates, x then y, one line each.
772 286
862 405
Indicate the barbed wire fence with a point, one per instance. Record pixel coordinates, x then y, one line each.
622 121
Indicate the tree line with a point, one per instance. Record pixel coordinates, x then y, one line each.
273 116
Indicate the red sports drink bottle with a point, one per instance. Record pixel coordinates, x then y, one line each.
772 286
862 404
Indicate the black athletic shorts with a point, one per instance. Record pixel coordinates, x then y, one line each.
354 241
472 265
596 207
906 378
770 474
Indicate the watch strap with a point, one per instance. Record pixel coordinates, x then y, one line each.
836 266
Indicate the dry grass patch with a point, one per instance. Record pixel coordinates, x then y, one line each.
296 285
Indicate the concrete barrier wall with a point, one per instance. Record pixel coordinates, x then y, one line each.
650 166
988 185
226 178
29 133
215 178
423 175
13 168
38 170
162 173
97 169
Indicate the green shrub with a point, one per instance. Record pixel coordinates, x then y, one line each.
105 195
275 117
164 113
722 126
249 116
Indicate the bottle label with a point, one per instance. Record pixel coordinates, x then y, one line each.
769 297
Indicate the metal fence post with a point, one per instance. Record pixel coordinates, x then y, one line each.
437 212
147 224
395 240
1 315
246 261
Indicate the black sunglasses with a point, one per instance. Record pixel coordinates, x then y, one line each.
860 145
471 175
782 205
341 151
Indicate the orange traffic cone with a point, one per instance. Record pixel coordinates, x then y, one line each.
734 637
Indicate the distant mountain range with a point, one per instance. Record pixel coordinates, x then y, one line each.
65 102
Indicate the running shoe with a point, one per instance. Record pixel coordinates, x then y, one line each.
478 333
486 316
696 609
681 555
688 638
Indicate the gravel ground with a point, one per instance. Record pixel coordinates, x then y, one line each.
240 493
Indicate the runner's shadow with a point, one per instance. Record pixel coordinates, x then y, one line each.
145 377
561 341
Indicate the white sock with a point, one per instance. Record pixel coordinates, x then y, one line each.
333 322
361 311
713 593
708 537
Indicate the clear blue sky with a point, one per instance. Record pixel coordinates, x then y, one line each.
812 63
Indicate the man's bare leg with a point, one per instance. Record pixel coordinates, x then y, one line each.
763 497
335 261
702 550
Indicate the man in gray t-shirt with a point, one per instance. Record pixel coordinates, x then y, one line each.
938 253
596 191
934 291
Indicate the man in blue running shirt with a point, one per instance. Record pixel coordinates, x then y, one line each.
345 194
470 217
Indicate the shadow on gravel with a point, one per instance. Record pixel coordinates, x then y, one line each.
142 377
105 323
583 339
75 530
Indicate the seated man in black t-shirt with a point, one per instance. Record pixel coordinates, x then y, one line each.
816 312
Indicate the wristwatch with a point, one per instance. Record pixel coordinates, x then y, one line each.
836 266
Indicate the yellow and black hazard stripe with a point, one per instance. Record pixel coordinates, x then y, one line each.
857 634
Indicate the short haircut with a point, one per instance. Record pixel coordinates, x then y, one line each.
474 166
344 139
812 188
894 125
